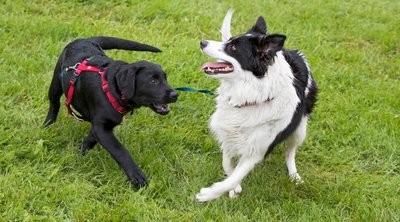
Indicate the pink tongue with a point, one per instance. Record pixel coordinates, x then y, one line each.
214 65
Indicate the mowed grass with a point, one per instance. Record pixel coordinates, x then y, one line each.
350 161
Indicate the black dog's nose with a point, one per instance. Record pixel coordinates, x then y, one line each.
173 95
203 44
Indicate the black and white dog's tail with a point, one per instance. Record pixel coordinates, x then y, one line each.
115 43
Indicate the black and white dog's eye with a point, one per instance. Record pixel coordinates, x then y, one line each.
233 47
154 81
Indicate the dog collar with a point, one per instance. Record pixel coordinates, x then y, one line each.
247 104
83 67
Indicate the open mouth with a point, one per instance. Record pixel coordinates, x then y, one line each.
213 68
160 108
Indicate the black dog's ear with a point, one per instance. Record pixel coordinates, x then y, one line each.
271 43
125 79
260 26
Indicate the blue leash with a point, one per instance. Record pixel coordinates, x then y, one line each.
187 89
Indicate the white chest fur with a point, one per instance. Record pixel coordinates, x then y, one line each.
253 128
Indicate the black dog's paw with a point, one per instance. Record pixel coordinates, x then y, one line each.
47 122
139 180
84 149
87 144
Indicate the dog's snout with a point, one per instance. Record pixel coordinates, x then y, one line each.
203 44
173 95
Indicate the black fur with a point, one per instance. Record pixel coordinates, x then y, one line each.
307 103
141 83
255 50
260 27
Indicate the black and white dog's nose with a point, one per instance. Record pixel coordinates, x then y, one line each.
203 44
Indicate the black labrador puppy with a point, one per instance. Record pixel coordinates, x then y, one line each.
130 86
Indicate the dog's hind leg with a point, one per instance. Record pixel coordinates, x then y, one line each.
89 142
293 142
55 92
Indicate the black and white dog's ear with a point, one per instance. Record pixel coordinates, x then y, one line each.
260 27
125 79
272 42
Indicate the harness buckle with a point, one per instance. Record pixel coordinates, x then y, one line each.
76 66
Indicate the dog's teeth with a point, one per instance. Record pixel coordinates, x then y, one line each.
219 69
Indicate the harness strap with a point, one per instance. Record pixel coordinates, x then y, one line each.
83 67
70 94
110 97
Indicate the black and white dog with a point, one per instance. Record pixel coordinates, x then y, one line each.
266 95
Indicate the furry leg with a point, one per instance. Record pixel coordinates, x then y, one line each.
294 141
244 166
228 168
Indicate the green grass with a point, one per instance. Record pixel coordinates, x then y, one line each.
350 161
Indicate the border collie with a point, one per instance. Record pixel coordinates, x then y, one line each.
266 95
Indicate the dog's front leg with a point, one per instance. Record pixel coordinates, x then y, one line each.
227 164
106 138
244 166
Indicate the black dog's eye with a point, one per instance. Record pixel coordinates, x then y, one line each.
154 81
233 47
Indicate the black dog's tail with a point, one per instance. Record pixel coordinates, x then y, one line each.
116 43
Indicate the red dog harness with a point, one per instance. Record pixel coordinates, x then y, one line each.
83 67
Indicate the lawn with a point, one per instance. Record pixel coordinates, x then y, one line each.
350 161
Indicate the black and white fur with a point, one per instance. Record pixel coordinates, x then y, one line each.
255 69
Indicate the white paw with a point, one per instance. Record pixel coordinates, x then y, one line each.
235 192
296 178
206 194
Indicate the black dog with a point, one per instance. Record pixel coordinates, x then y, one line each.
130 86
